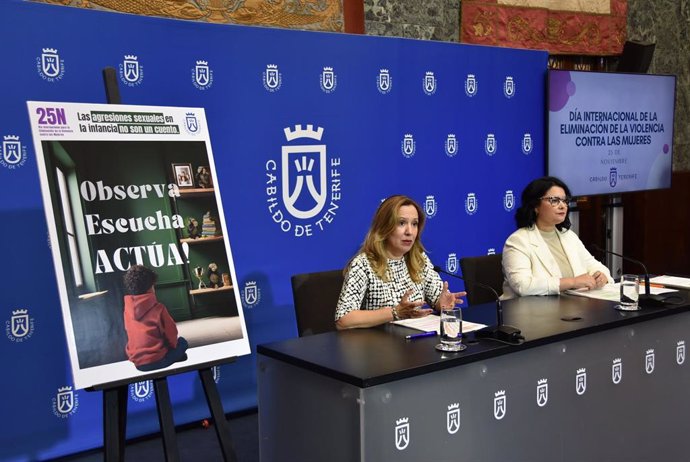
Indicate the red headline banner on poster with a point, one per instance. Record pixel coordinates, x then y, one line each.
581 27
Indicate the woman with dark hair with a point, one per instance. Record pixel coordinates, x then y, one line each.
391 277
543 257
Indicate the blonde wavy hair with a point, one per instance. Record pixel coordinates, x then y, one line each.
383 224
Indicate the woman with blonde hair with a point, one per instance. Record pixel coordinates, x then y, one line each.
391 277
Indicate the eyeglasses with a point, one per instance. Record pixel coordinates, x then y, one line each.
555 201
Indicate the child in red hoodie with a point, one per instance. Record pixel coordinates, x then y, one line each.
152 341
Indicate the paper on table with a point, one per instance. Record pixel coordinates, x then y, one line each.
672 281
432 323
612 292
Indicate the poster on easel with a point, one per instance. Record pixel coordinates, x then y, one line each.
139 239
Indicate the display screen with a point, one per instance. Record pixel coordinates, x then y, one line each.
610 133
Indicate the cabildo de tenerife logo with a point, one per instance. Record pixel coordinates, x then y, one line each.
65 402
49 65
429 85
451 146
408 145
384 81
680 352
13 152
304 188
509 87
508 201
202 75
452 263
328 80
471 204
402 433
131 71
490 144
649 361
581 381
251 294
430 207
191 123
613 177
527 144
20 326
272 78
617 371
141 391
471 85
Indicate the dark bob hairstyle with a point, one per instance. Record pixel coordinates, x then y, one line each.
526 217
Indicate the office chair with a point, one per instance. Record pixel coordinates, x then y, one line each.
486 269
316 296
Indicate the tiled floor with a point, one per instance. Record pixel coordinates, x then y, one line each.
194 444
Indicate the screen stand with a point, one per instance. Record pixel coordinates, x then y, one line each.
614 235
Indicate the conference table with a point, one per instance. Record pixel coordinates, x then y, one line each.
589 383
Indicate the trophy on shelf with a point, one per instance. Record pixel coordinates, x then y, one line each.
199 272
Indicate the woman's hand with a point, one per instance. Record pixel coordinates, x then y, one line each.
449 299
584 281
407 309
600 279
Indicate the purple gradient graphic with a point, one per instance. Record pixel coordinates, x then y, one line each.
561 89
666 148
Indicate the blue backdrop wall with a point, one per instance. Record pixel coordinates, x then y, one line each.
459 128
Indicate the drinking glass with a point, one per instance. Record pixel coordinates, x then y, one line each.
451 330
630 292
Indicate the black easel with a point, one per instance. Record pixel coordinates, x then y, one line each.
115 394
115 415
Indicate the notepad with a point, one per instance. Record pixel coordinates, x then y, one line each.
672 281
432 323
612 292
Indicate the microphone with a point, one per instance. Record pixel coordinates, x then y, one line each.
647 299
500 331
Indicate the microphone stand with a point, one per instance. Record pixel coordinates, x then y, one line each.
501 332
647 299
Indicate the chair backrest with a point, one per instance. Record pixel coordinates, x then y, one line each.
486 269
316 296
636 57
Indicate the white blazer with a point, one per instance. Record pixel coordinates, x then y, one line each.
529 268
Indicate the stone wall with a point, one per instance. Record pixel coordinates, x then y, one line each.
426 19
665 22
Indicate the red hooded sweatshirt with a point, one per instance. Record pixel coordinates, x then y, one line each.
151 331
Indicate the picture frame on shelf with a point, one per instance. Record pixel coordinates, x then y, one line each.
182 173
203 177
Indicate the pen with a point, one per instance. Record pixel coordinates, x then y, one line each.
423 334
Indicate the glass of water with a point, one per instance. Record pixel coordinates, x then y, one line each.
630 292
451 330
